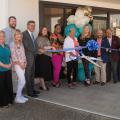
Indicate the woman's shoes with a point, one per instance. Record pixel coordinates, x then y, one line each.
47 88
87 82
71 86
57 85
21 99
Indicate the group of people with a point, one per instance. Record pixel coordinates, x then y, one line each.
31 59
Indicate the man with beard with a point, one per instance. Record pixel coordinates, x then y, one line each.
9 40
10 30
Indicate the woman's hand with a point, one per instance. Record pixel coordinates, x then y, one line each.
42 51
7 66
72 54
23 65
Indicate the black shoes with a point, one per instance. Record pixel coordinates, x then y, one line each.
96 82
36 92
33 95
102 84
114 82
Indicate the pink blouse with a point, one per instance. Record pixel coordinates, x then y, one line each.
18 54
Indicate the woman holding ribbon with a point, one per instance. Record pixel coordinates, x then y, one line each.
43 58
83 40
57 58
70 58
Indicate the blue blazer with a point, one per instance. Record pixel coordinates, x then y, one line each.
104 54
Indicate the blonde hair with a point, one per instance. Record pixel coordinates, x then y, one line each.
18 32
2 32
83 36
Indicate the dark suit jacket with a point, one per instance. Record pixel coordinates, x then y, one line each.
30 50
114 55
104 55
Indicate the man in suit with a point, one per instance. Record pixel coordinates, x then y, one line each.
100 73
30 52
114 43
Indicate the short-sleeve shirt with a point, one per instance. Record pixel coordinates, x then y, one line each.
69 43
5 56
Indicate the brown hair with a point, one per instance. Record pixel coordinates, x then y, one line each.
57 25
11 17
40 32
30 21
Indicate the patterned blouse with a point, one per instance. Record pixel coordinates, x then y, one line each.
18 54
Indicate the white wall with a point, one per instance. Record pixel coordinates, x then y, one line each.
24 10
3 13
115 4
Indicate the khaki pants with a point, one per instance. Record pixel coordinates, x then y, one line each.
100 73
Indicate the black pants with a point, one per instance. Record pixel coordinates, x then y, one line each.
119 70
86 68
112 69
72 67
6 88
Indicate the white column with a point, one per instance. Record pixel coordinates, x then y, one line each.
3 13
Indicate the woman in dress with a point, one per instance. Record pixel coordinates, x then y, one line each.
83 39
57 58
19 62
6 87
43 58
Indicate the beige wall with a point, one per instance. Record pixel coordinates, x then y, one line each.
115 4
24 10
3 13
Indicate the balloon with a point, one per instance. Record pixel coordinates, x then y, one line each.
70 19
80 22
90 27
80 30
87 11
68 27
86 20
79 12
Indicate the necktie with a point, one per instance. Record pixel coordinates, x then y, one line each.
33 39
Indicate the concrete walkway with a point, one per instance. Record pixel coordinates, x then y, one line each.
83 103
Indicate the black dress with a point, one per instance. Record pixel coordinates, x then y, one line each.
43 67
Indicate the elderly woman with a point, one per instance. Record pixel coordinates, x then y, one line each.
6 87
70 58
19 61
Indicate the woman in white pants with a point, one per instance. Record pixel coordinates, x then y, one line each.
19 62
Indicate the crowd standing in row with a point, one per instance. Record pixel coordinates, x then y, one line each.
30 60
